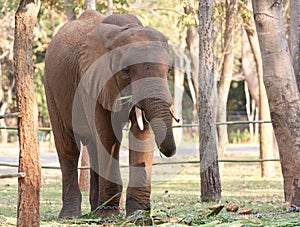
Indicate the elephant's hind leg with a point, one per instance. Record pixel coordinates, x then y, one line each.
68 153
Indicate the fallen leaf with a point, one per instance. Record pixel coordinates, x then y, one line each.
245 211
232 207
174 220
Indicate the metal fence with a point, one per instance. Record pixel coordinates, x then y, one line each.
125 166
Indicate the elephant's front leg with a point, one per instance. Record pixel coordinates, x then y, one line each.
106 183
141 145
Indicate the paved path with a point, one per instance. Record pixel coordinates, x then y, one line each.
185 152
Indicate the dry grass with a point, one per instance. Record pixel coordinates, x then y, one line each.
175 198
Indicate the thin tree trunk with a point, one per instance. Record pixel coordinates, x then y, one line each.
282 92
89 4
249 111
249 67
84 178
192 42
209 168
70 12
29 161
178 89
295 38
226 75
110 7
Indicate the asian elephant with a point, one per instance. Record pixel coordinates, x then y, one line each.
101 73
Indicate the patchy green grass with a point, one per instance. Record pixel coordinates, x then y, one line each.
175 200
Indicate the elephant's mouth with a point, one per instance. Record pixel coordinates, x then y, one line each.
161 127
140 116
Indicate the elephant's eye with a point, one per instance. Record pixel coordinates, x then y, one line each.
169 70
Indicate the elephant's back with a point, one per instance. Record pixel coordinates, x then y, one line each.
61 62
63 51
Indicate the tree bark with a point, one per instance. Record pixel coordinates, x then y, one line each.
110 7
226 75
209 169
265 130
282 92
70 12
295 38
84 178
178 89
89 4
29 162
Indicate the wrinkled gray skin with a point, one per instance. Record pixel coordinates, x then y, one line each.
70 54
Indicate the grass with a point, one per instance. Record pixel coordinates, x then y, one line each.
175 200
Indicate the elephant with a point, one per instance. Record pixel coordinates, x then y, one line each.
102 73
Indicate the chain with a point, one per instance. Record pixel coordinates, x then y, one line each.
108 207
292 209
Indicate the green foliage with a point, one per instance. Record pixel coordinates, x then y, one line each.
239 136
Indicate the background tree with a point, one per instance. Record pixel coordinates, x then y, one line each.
267 139
295 37
282 92
89 4
226 74
29 163
70 9
209 169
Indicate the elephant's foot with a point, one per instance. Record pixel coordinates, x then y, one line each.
134 204
69 212
108 211
71 207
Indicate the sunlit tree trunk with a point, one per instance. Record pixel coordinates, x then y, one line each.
265 130
29 160
110 7
192 42
226 75
282 92
251 84
178 89
295 37
209 168
89 4
84 178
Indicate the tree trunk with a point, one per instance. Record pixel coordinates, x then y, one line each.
89 4
178 90
282 92
295 38
226 75
84 178
209 168
29 160
250 110
192 43
251 84
70 12
110 7
265 130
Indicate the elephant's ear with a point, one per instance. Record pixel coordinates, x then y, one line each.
95 50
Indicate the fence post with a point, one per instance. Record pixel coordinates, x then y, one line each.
28 213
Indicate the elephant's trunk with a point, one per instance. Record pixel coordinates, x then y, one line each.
157 112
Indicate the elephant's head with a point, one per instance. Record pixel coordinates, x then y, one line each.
137 61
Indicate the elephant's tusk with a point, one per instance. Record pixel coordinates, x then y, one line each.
174 114
139 118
